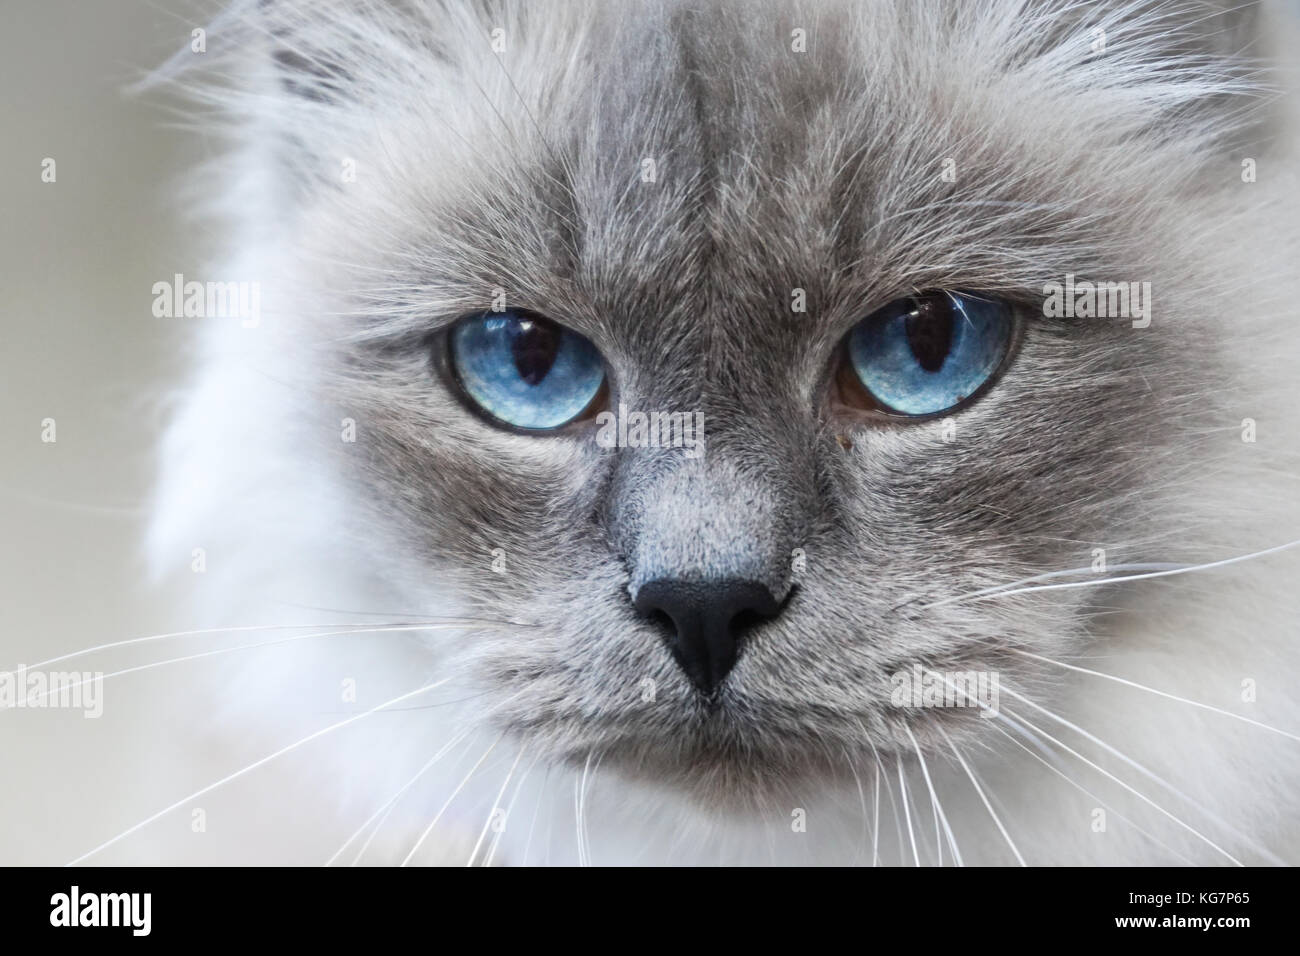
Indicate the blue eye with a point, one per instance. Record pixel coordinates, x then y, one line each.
524 370
928 353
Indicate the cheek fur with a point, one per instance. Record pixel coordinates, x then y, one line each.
715 210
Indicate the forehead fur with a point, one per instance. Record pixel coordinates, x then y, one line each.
505 145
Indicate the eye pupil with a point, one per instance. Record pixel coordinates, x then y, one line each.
525 371
533 346
925 354
929 334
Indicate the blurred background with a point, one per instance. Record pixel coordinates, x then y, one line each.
79 345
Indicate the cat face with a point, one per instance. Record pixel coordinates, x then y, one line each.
713 197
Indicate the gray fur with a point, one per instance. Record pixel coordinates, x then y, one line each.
776 170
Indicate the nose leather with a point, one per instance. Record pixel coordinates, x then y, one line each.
706 621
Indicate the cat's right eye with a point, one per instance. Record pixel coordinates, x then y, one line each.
526 371
926 354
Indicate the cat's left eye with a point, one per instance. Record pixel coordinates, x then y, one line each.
925 354
526 371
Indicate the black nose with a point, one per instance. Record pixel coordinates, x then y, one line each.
708 619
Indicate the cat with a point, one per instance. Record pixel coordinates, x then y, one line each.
545 648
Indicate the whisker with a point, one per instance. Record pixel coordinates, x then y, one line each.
1182 569
938 835
1011 719
1160 693
1141 796
510 809
106 511
496 803
253 766
403 616
1088 793
862 803
459 787
579 800
361 853
875 826
260 627
532 826
889 792
586 817
934 802
550 832
1145 772
902 789
1048 575
392 801
1025 732
983 799
241 647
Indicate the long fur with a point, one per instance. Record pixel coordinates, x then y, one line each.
479 172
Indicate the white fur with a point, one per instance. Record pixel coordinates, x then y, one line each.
275 524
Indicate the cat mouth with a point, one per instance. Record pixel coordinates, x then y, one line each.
753 736
721 757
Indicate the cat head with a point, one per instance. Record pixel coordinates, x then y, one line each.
609 293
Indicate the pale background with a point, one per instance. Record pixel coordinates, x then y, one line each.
79 344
